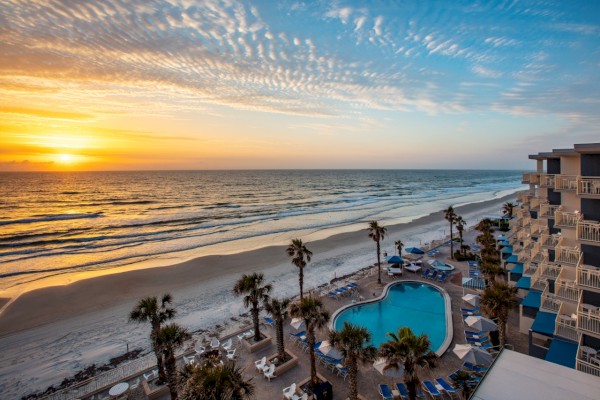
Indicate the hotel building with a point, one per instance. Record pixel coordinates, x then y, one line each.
552 254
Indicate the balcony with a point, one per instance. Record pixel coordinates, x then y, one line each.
547 210
565 182
588 186
550 271
567 290
588 319
531 178
534 204
588 231
549 241
529 269
588 277
564 219
547 180
549 302
566 325
538 282
567 255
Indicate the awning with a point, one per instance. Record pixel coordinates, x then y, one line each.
512 259
504 243
524 282
544 323
395 260
562 352
517 269
507 250
533 299
473 283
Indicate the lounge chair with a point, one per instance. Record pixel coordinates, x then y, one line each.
199 348
189 360
353 284
228 345
215 343
260 364
475 333
270 373
403 391
425 273
477 340
289 391
297 336
448 388
432 390
469 310
269 321
385 392
434 274
474 368
443 277
332 295
342 371
412 268
231 354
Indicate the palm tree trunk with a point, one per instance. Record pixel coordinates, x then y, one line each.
158 352
280 345
310 338
451 242
378 264
501 332
352 372
301 280
171 373
255 312
411 386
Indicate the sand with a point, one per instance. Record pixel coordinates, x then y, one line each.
51 333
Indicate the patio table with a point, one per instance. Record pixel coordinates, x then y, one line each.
118 389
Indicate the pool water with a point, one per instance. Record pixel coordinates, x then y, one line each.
417 305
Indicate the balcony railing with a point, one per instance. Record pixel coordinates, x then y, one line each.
588 319
529 269
549 241
567 255
588 276
547 180
564 219
566 325
567 290
532 177
588 231
547 210
550 271
538 282
565 182
588 186
549 302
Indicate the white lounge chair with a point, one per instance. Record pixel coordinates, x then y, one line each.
215 343
228 345
289 391
231 354
270 373
189 360
199 348
260 364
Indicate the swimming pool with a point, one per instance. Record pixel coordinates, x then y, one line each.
423 307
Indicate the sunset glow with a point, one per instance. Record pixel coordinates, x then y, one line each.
169 84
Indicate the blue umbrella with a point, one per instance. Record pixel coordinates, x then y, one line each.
395 260
414 250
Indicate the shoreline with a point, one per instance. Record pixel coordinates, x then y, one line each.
35 308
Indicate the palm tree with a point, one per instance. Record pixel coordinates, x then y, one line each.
278 309
460 227
169 338
311 310
507 209
148 309
300 257
210 382
353 343
491 270
411 351
449 215
255 294
399 245
377 233
464 381
496 302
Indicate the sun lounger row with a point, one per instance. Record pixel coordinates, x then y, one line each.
343 291
435 275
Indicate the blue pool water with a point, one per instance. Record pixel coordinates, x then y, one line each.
417 305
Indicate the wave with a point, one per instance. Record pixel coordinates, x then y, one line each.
53 217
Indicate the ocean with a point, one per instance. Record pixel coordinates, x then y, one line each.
57 224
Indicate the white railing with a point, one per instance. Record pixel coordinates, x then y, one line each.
588 367
549 241
529 269
538 282
567 290
589 186
567 255
588 276
547 180
565 182
548 210
549 302
564 219
588 231
550 270
588 319
566 326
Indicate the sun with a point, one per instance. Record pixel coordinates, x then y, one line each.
65 158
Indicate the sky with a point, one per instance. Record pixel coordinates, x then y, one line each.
182 84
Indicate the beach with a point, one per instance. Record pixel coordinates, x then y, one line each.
50 334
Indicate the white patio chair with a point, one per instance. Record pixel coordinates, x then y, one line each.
231 354
260 364
270 373
215 343
228 344
289 391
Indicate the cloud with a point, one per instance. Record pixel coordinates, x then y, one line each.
486 72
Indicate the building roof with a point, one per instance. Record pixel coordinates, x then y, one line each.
593 148
517 376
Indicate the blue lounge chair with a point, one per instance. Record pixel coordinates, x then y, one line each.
443 277
479 340
342 372
385 392
425 273
474 368
333 295
431 389
269 321
448 388
434 274
401 388
474 333
353 284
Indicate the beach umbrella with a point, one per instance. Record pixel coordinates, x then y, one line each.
481 323
473 354
472 299
395 260
392 372
326 348
414 250
297 323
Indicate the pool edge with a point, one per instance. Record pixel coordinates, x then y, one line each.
447 301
